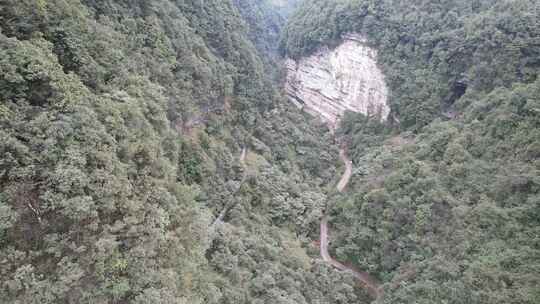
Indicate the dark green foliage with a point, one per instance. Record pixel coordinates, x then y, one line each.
121 127
122 123
265 19
464 192
444 207
264 24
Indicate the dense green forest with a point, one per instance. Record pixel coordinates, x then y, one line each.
444 203
122 177
122 124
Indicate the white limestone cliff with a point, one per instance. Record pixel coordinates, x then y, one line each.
330 82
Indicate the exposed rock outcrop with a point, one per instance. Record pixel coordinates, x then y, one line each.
330 82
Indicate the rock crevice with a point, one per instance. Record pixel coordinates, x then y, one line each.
332 81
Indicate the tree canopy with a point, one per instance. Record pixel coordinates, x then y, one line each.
122 125
443 204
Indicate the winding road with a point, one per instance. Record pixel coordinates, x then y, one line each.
372 286
367 281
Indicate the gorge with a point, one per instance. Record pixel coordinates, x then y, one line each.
327 84
269 152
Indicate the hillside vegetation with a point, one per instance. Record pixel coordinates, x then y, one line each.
444 205
122 124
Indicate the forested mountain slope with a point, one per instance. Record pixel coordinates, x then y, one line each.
444 202
264 24
122 124
265 20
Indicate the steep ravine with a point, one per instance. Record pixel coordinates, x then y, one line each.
332 81
328 83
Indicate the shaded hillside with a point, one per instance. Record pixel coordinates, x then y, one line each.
265 20
264 24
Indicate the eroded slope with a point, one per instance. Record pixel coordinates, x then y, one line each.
329 82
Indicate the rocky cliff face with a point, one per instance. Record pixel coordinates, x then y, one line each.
332 81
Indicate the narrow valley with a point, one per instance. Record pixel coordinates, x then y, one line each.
269 152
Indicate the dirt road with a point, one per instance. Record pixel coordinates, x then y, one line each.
372 286
344 181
